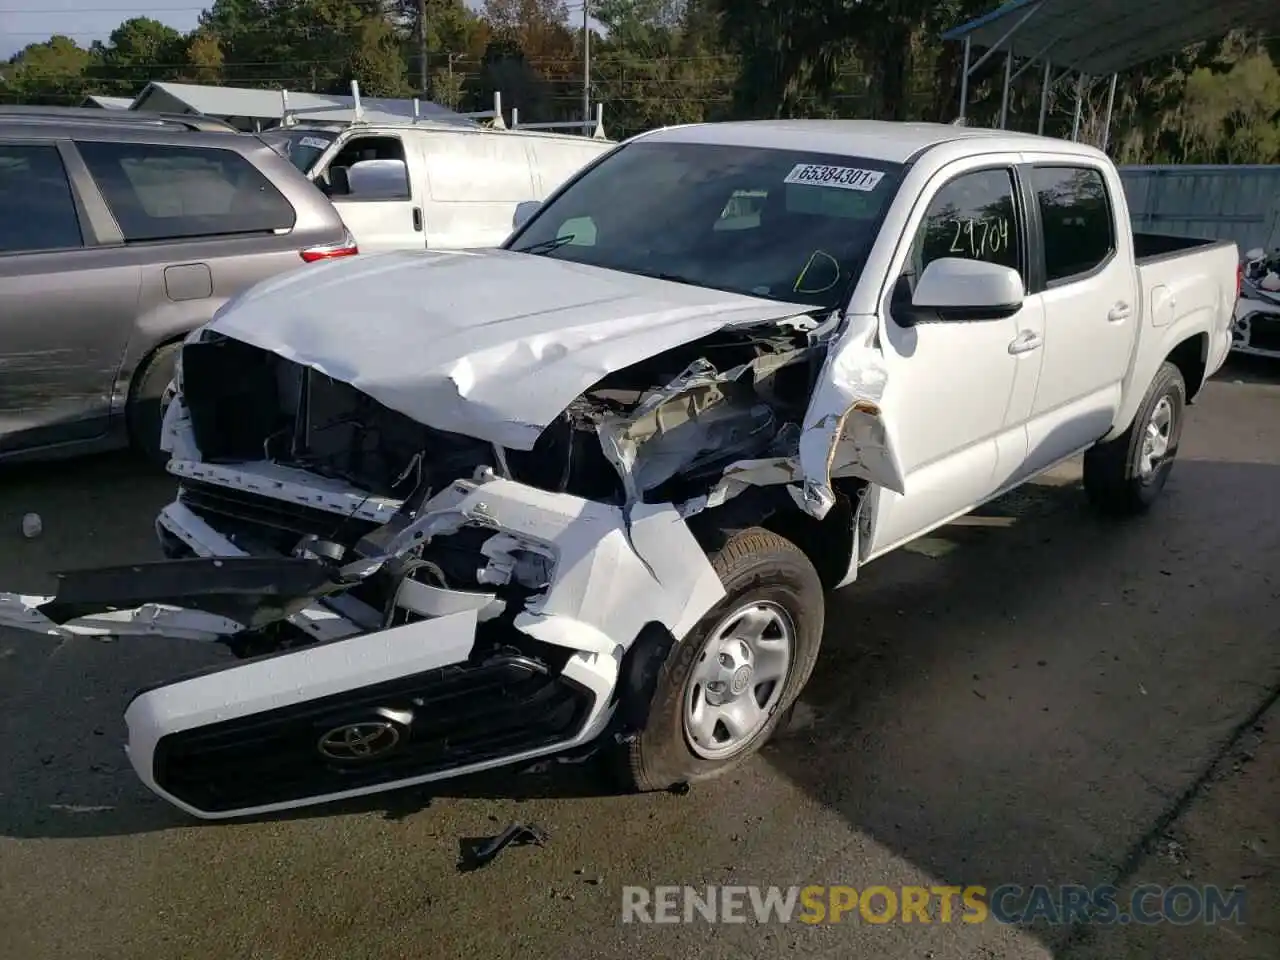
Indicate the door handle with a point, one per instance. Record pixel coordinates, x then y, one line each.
1025 342
1121 311
417 219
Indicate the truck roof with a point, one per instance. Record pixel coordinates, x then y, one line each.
892 142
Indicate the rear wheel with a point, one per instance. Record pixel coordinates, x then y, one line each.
1126 475
143 414
725 688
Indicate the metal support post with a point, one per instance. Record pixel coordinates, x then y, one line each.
1111 102
1075 124
1044 96
1008 81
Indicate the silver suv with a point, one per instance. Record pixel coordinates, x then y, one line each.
117 238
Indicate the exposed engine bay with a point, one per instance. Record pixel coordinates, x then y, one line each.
676 419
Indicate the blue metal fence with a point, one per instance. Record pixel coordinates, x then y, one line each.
1240 203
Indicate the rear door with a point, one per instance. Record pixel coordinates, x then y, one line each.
198 224
477 179
375 181
1091 308
556 160
66 306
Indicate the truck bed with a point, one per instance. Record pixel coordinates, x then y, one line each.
1153 247
1184 281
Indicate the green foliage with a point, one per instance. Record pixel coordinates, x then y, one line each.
656 62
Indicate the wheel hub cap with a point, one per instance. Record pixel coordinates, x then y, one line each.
738 679
1156 439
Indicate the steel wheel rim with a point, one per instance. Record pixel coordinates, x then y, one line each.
738 679
1156 438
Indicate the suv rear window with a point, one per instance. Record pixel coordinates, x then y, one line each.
37 211
159 192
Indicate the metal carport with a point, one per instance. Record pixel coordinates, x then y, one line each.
1092 38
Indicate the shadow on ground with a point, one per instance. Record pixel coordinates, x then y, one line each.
1249 369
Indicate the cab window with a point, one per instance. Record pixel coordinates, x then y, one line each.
973 217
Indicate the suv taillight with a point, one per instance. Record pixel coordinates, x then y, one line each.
1239 279
347 248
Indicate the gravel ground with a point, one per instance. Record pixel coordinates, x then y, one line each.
1029 696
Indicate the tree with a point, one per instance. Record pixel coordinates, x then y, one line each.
375 60
52 72
1233 115
204 58
138 51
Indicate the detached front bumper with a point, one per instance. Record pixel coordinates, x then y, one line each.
365 709
1255 328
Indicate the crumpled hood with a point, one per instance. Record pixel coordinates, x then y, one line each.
489 343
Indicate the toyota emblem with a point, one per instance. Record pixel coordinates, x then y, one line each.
366 740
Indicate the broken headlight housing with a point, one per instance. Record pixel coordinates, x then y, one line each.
516 562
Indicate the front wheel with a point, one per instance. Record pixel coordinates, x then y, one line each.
1125 476
726 686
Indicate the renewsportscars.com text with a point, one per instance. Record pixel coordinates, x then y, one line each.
1008 904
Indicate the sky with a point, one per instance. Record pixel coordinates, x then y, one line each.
33 21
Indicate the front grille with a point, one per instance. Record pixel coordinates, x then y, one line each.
233 511
460 715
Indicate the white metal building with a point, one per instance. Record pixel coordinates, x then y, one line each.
254 110
108 103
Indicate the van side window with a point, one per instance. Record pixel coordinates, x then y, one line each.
159 192
37 209
1079 227
973 218
369 168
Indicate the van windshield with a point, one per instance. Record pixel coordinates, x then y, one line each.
780 224
301 148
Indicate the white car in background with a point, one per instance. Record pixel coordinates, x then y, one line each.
432 184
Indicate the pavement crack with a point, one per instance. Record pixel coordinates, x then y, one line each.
1141 850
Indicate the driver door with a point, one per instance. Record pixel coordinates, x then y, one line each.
958 392
371 182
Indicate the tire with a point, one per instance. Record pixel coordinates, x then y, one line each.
1115 479
143 414
758 569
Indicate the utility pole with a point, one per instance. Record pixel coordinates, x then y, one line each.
586 62
422 46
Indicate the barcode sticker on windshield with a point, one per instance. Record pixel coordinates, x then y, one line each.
846 178
314 142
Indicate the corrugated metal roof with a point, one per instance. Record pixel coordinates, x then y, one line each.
266 104
108 103
1101 37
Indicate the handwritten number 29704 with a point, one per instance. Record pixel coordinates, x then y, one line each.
980 238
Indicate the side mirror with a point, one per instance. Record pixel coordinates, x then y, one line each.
524 213
956 289
378 180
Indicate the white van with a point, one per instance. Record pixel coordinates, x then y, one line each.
431 184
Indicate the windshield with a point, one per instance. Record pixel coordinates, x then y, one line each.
781 224
301 148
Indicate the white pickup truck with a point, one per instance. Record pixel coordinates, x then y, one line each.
585 492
